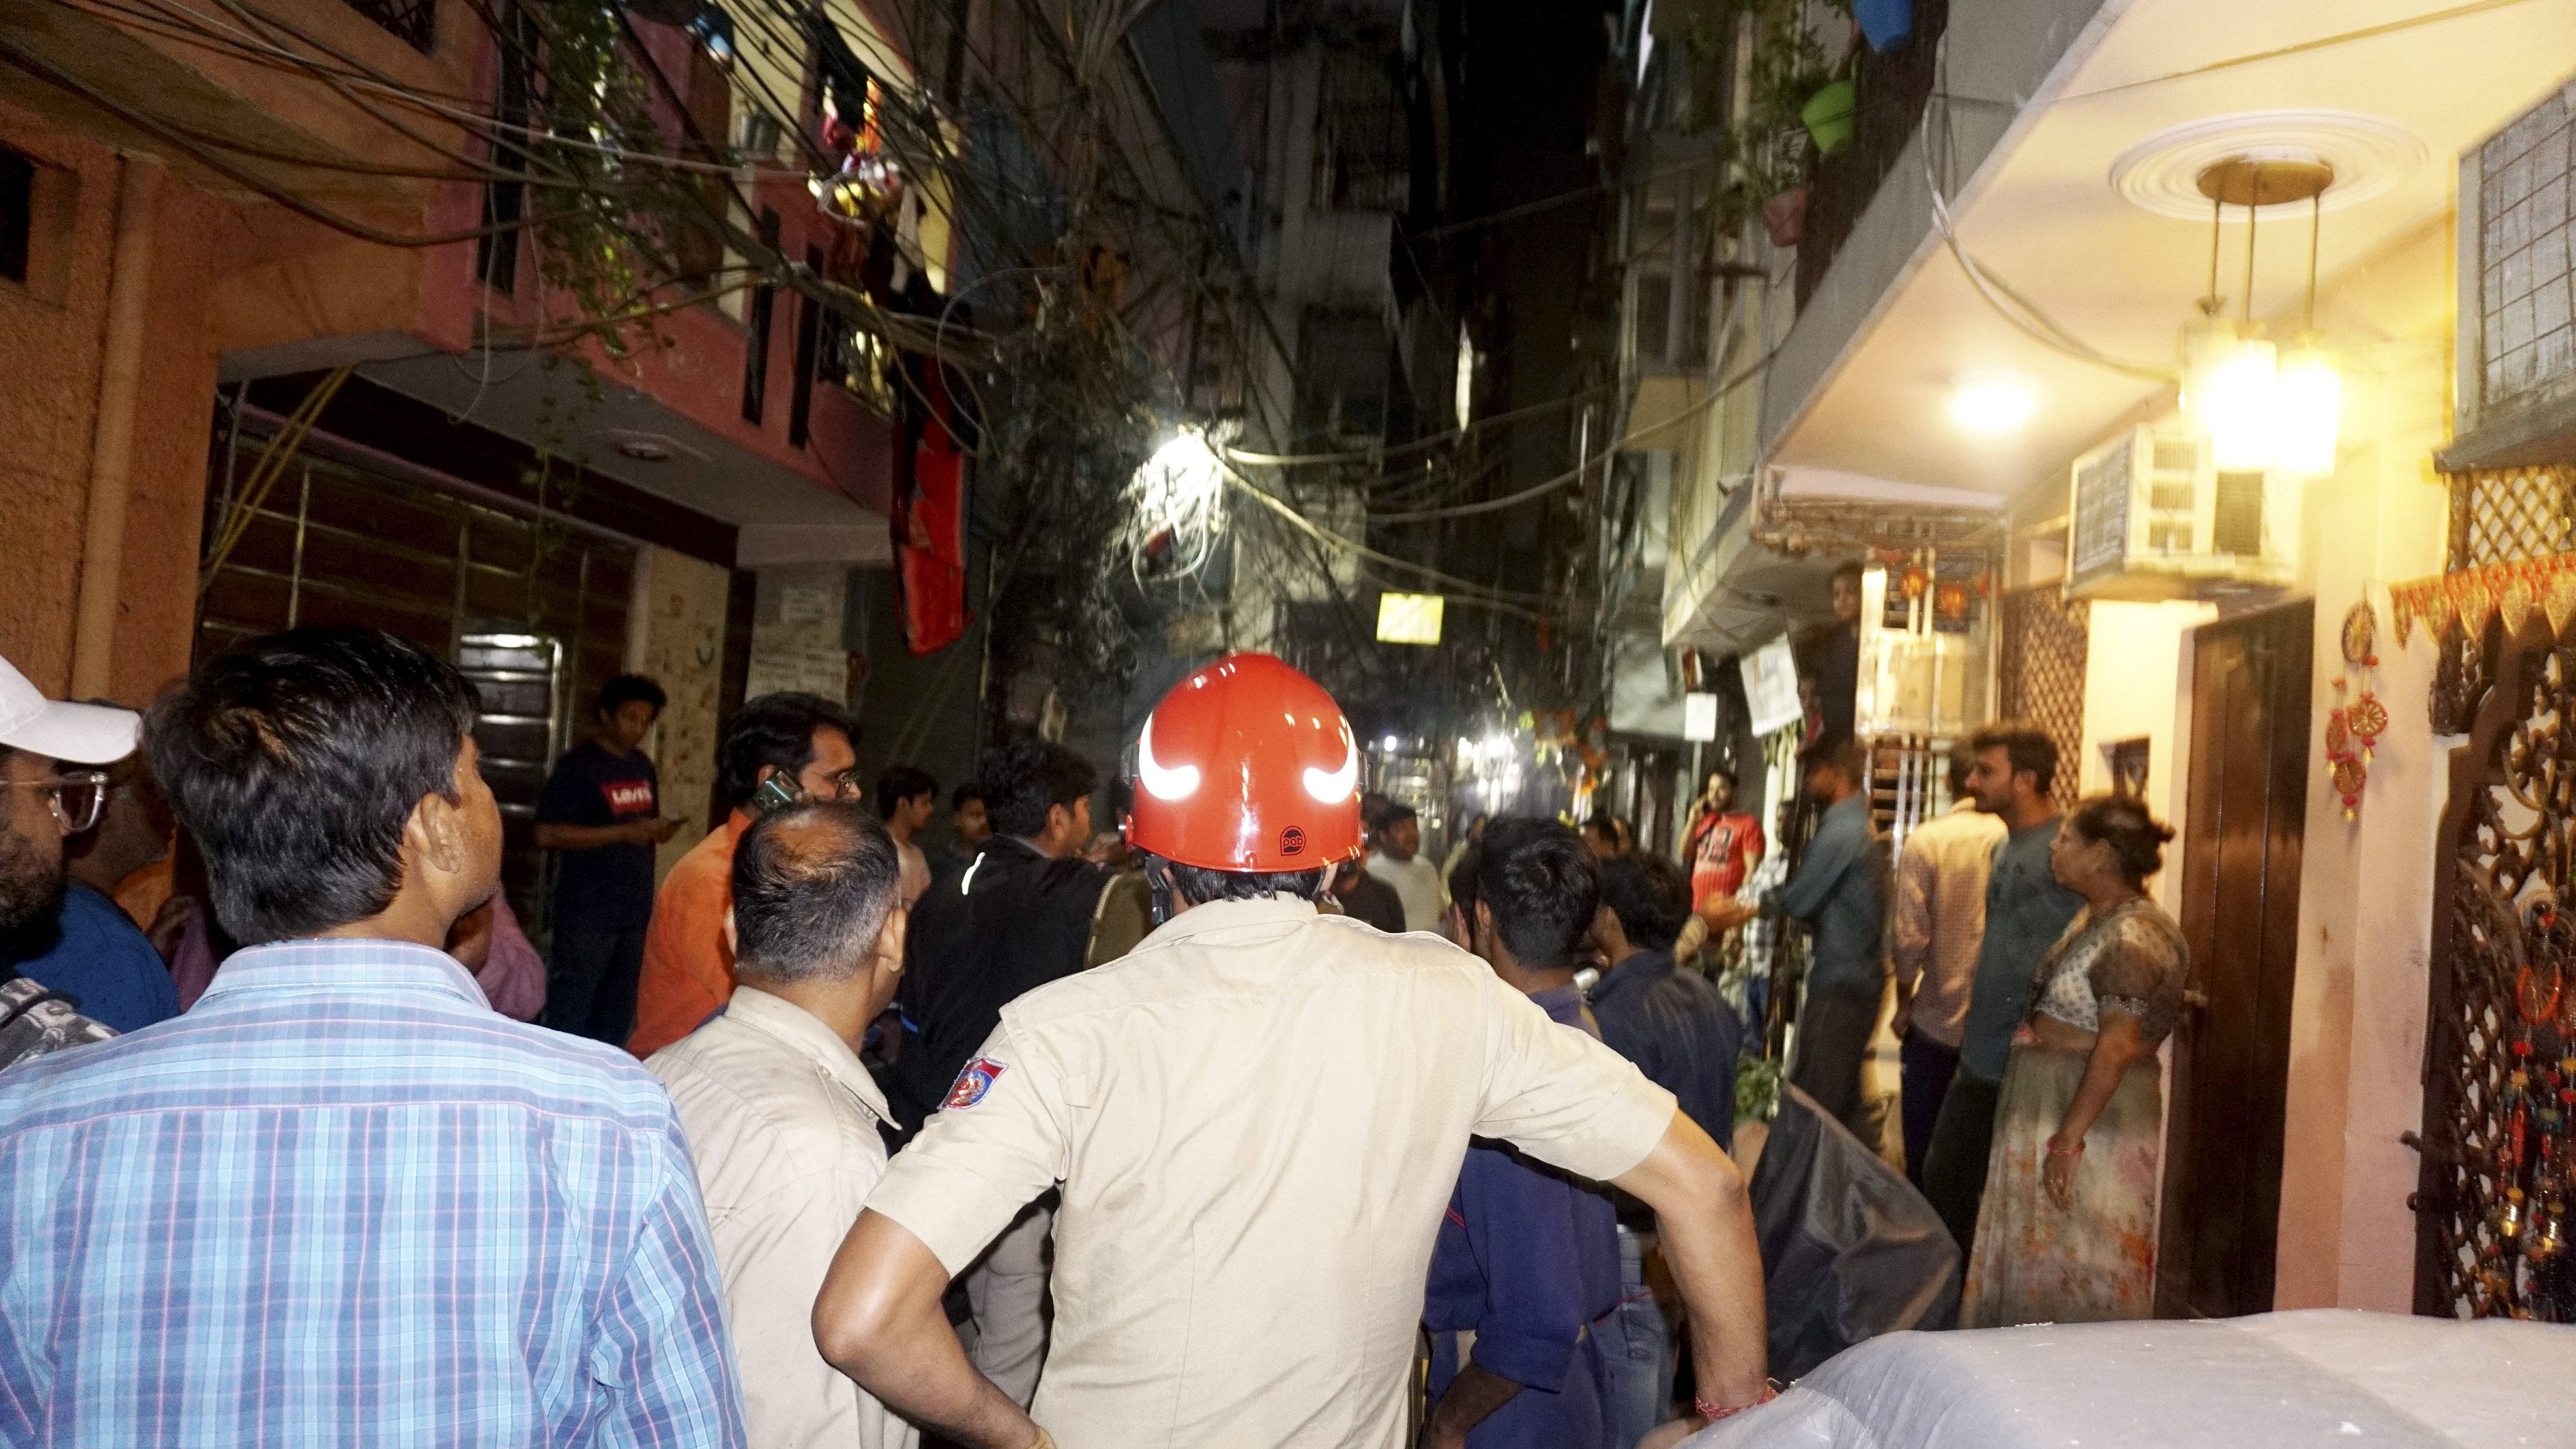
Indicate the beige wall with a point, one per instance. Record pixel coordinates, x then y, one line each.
681 644
52 332
2365 894
2135 686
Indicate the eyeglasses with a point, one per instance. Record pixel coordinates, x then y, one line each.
76 797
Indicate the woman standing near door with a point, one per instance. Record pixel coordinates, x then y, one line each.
2068 1232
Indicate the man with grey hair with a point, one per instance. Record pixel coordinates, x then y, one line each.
781 1117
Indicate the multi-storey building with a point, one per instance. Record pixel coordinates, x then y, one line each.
284 350
1955 327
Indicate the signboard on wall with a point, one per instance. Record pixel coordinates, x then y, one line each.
1409 618
1699 718
1771 686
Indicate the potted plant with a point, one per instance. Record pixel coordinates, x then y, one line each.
1831 116
1785 75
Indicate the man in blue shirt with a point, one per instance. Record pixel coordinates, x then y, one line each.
342 1200
91 952
1681 1033
1839 890
2026 911
1527 1259
73 946
54 930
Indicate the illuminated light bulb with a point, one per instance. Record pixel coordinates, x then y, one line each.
2307 408
2238 406
1186 468
2206 345
1993 402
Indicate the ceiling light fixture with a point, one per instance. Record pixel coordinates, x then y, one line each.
2255 412
1993 402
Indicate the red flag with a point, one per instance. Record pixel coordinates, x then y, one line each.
929 518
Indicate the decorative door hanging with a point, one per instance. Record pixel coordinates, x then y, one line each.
2353 729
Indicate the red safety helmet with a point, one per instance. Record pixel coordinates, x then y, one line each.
1247 765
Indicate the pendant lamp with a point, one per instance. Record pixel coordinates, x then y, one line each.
2256 410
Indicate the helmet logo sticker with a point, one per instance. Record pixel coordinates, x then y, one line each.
1292 841
1331 787
1174 782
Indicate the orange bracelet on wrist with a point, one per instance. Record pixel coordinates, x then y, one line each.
2056 1151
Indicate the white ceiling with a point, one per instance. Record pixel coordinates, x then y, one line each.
705 472
2044 217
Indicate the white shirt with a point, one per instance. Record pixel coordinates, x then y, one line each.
1939 920
782 1121
1257 1116
1416 883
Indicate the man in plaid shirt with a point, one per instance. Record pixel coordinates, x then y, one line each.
341 1200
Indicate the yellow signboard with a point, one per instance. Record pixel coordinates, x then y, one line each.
1409 618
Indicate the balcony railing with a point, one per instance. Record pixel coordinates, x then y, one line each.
413 22
1892 89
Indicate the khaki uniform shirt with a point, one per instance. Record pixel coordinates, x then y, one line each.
782 1121
1257 1117
1940 916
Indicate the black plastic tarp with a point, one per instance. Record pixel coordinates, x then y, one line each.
1849 1249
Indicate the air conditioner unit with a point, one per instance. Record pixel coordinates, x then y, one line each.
2150 517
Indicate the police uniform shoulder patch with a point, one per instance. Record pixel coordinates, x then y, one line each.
973 1082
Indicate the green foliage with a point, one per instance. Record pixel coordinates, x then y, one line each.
618 231
1757 1088
1784 66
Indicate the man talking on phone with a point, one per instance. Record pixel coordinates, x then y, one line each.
777 749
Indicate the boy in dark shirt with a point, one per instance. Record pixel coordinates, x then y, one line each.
601 815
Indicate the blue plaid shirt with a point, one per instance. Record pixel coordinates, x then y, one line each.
340 1202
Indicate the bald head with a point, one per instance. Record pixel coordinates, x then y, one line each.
813 886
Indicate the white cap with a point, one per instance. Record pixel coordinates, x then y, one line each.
85 734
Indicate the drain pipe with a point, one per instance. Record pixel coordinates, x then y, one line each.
120 389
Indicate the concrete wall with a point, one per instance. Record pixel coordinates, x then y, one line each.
680 642
2365 901
2137 684
53 330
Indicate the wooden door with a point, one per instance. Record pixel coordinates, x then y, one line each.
2247 810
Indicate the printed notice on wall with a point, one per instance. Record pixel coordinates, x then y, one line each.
807 603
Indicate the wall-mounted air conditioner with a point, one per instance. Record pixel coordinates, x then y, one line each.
2150 517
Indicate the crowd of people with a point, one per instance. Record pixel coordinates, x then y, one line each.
1241 1122
2034 981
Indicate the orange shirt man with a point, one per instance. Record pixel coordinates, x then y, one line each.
688 964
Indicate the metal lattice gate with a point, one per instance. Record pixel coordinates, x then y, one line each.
2040 674
2497 1185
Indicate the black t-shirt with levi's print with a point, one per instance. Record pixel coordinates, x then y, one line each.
607 887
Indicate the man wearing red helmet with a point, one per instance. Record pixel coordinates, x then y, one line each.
1256 1117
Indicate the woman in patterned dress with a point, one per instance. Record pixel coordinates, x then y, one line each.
2068 1231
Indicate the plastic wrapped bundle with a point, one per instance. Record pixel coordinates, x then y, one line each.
2325 1378
1850 1250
